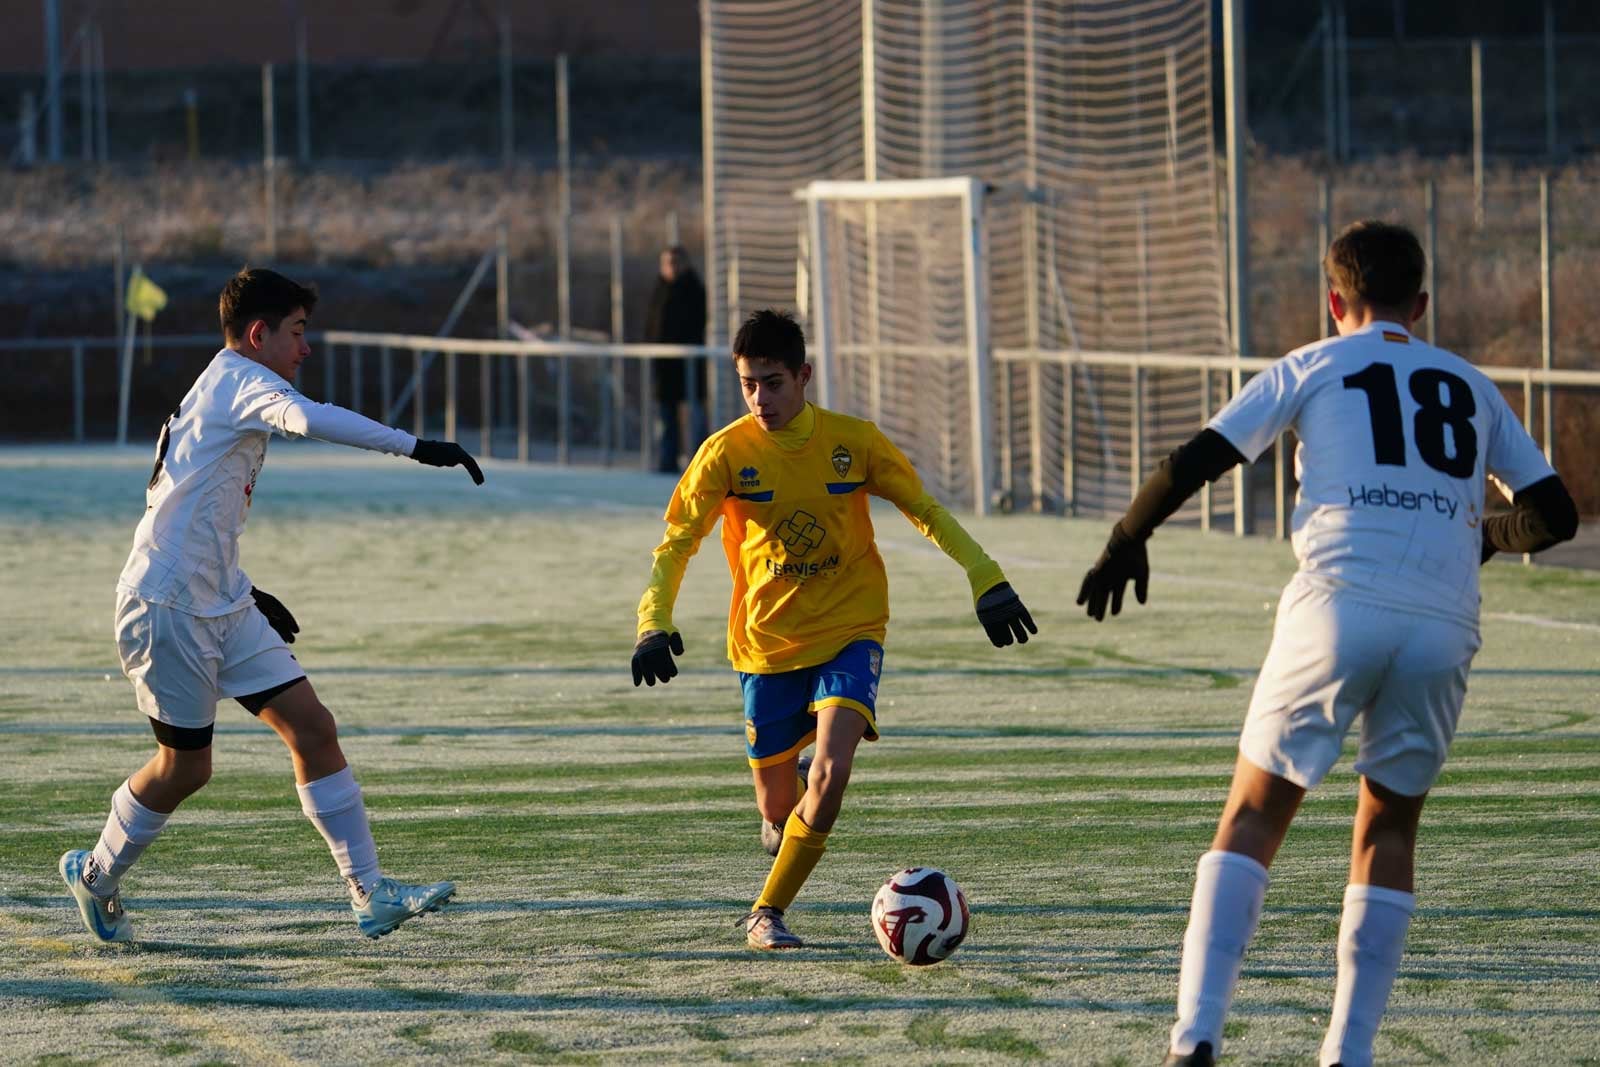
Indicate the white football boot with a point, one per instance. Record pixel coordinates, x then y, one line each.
104 918
764 929
391 903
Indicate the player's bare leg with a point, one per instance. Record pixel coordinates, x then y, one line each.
1384 842
139 811
331 799
805 834
839 733
309 731
170 777
1378 904
779 788
1229 885
1257 814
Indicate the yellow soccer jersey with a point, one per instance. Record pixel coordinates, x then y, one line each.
797 531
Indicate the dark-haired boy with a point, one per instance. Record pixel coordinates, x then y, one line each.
1380 622
191 628
810 609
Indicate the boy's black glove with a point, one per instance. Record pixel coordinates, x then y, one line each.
1124 558
446 454
278 616
1003 616
652 659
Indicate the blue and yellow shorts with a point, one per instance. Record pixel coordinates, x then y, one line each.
780 710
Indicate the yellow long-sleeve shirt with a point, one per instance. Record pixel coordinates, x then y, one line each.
797 532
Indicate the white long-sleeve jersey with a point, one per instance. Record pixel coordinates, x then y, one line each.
1396 437
186 548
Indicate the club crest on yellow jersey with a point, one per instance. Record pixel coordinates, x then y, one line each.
842 460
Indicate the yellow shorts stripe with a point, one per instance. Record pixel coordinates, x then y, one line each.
854 705
789 754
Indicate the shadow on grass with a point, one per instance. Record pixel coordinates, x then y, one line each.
344 999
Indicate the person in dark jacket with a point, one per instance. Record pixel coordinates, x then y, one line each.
677 315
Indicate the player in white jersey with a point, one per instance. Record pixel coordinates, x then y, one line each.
1380 622
192 629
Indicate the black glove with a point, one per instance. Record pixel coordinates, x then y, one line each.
651 660
1124 558
1003 616
278 616
446 454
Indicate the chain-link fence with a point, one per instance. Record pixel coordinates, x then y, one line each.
1371 97
350 115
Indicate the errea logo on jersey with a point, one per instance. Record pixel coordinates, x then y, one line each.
749 477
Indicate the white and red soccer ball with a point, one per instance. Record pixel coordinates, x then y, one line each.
920 916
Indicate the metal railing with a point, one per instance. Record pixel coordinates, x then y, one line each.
346 354
605 362
79 346
1531 381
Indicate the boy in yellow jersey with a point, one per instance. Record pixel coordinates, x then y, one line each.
810 606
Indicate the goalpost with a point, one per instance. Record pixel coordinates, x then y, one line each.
907 348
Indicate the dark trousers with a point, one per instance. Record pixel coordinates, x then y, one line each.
667 443
672 386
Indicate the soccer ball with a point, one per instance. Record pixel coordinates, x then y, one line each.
920 916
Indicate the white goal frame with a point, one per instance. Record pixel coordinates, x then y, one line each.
969 192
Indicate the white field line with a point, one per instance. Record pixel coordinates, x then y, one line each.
245 905
1187 808
1198 582
1542 622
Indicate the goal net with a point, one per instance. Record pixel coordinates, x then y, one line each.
1087 122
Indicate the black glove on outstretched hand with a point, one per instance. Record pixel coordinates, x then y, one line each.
652 658
1124 558
278 616
446 454
1003 616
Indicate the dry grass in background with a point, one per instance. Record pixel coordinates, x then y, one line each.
421 216
1488 277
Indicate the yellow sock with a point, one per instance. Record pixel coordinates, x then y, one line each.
802 848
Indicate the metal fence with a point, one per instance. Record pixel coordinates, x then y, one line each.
591 403
493 105
1533 391
1441 95
560 401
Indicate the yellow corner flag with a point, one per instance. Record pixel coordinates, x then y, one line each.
145 297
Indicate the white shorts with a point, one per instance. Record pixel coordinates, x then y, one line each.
180 664
1333 658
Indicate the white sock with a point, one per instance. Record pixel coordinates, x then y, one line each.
333 804
1228 890
1372 937
129 830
